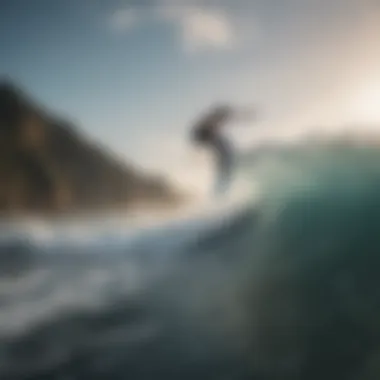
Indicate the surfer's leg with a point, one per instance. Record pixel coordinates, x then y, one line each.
223 176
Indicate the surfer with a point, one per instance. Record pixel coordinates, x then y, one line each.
207 132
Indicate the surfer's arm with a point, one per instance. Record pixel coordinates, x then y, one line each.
244 114
207 128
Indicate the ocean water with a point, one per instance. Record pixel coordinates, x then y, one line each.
282 284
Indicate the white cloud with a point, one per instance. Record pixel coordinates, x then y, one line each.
124 19
199 27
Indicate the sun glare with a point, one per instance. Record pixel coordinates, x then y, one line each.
366 104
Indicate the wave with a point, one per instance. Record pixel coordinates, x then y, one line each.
283 285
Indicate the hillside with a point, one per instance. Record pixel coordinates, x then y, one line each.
48 165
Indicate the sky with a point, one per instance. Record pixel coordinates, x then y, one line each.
135 74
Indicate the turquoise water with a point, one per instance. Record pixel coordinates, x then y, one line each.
283 285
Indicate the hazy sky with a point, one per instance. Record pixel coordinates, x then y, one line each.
135 73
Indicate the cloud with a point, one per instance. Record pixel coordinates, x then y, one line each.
199 27
124 19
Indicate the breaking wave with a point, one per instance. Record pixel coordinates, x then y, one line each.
282 286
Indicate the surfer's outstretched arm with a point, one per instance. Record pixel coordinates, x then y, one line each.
243 115
207 129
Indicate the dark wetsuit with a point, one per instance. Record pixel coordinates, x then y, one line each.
207 133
